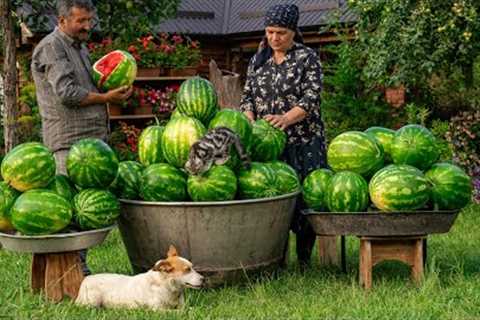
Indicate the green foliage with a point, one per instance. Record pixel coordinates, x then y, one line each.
417 114
407 41
347 104
439 129
125 19
29 124
464 136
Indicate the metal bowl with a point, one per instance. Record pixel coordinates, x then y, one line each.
379 223
62 242
223 239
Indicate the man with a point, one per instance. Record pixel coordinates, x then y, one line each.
70 105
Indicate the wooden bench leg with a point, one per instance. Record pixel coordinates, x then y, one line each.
365 267
418 262
57 274
327 250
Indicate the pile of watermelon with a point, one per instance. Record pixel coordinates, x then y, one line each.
35 201
163 151
386 170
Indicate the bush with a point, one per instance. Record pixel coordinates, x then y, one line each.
347 104
464 136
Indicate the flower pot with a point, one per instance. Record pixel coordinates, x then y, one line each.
114 109
149 72
143 110
395 96
183 72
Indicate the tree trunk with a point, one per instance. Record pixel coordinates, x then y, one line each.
10 77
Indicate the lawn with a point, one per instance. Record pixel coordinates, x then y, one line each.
451 288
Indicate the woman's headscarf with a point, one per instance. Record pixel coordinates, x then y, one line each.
280 15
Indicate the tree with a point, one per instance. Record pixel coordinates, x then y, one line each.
116 18
407 41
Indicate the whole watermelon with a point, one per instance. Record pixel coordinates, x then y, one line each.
416 146
150 146
258 182
217 184
163 182
451 186
399 188
40 212
236 121
91 163
95 209
8 195
355 151
127 183
115 69
287 178
28 166
384 137
179 135
197 98
347 192
267 142
62 186
315 189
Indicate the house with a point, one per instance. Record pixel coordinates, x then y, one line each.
230 30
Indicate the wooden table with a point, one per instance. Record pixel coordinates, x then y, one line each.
374 250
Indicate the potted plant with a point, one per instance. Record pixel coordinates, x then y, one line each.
186 55
124 141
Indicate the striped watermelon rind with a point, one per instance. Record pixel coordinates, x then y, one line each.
219 183
355 151
150 146
258 182
399 188
95 209
414 145
179 135
267 142
28 166
197 98
347 192
235 121
91 163
127 183
163 182
315 187
287 178
451 186
40 212
384 137
62 186
8 195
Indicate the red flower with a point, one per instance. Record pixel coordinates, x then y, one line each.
132 49
107 42
177 39
146 41
194 44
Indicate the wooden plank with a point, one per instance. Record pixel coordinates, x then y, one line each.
53 277
72 274
37 274
140 79
327 250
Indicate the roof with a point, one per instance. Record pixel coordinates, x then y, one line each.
226 17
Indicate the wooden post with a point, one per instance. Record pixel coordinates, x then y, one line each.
228 86
327 250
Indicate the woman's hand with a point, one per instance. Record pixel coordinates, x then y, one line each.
278 121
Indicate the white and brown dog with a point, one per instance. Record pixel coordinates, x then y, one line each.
159 288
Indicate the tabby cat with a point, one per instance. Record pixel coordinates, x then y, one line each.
215 147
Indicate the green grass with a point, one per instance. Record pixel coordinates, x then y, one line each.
451 289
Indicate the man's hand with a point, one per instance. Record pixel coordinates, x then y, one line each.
250 115
119 95
278 121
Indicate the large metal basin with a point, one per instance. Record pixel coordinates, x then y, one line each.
222 239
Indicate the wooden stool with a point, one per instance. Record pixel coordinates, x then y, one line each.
57 274
374 250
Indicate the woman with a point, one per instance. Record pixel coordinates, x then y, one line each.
283 87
